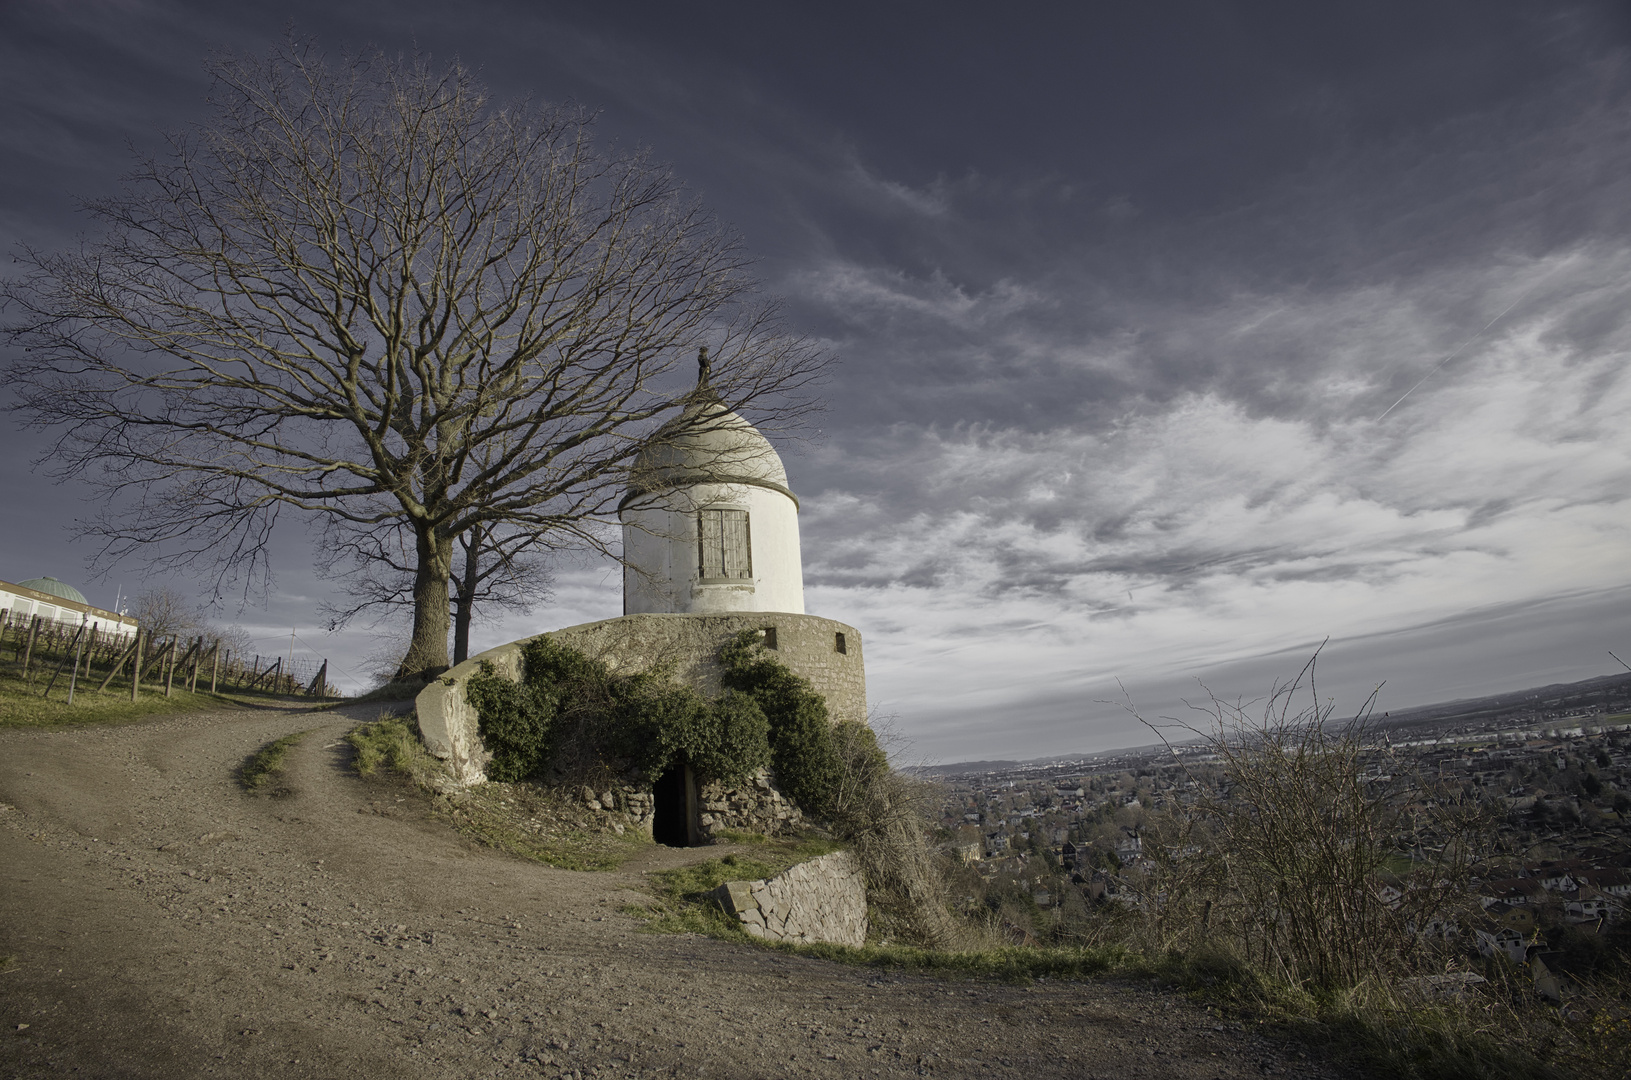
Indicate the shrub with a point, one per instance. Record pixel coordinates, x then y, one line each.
802 749
516 722
567 703
738 743
1285 863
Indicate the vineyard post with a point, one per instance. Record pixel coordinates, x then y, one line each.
28 652
136 667
73 675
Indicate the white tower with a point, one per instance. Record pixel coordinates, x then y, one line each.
709 523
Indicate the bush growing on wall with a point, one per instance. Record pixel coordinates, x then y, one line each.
517 721
839 773
801 736
565 697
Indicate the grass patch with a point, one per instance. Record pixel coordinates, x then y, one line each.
21 705
267 762
540 826
524 820
1015 964
691 884
389 746
1385 1034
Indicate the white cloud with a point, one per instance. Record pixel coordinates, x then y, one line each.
990 566
864 293
932 202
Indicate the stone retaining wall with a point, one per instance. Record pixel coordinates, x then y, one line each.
754 806
820 900
687 645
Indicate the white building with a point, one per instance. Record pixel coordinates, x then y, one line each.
58 602
709 523
711 553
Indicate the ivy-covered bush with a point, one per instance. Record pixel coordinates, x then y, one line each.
517 722
565 698
802 749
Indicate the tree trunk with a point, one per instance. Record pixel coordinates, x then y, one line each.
464 596
427 651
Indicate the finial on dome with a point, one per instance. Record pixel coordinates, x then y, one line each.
704 368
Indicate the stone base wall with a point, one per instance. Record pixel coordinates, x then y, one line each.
753 806
686 645
820 900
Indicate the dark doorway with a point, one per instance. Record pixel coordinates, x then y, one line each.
675 798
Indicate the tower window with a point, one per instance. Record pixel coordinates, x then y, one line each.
839 644
724 547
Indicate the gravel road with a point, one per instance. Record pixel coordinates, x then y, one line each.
165 923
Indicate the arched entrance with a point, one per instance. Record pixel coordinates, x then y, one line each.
675 810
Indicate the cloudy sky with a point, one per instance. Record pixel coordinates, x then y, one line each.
1176 337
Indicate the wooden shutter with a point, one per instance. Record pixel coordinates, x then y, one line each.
724 544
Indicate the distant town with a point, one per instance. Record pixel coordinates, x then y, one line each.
1551 767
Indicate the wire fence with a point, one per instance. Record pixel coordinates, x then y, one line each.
102 658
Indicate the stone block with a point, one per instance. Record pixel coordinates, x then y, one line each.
736 897
820 900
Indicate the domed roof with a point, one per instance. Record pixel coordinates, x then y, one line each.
55 588
707 444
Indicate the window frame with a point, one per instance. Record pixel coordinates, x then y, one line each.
722 578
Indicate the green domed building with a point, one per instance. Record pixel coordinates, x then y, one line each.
57 601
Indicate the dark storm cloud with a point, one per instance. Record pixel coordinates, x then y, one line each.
1121 294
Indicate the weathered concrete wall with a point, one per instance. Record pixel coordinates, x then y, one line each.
820 900
686 645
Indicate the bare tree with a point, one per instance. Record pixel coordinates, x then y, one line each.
163 612
366 292
492 569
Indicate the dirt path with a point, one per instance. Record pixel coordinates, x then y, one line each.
166 924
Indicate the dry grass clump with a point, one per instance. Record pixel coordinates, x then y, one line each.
267 762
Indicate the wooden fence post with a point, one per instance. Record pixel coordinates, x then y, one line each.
90 651
28 653
136 666
318 687
73 676
170 666
118 666
215 664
